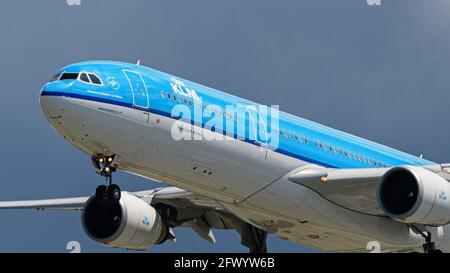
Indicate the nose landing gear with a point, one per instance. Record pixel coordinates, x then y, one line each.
106 165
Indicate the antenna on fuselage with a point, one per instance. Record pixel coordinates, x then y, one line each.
138 62
421 156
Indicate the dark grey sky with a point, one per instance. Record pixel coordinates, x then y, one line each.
378 72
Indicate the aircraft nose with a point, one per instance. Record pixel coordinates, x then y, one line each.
51 105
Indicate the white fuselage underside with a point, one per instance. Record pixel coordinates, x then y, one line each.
243 178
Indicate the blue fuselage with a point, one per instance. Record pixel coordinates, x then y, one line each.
146 89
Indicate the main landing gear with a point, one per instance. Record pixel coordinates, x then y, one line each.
254 238
429 246
106 165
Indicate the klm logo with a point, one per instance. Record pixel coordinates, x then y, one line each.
145 221
181 89
442 196
113 83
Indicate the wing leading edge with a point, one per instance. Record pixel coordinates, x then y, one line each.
354 189
181 208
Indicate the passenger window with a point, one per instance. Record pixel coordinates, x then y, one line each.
84 78
94 79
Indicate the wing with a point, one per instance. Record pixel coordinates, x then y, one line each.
56 204
179 207
153 196
354 189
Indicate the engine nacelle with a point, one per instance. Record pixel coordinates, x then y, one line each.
130 223
415 195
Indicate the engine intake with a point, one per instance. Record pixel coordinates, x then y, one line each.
415 195
130 223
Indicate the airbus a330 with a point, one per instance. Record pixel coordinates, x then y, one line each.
232 164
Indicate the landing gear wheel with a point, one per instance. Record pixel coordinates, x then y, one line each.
114 193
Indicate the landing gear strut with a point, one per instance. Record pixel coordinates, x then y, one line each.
429 246
106 165
254 238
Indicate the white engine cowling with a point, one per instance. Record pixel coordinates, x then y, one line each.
415 195
130 224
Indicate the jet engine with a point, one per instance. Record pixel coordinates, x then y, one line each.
130 223
415 195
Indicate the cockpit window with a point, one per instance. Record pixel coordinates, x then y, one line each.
69 76
94 79
84 78
55 77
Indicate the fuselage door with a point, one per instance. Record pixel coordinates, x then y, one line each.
138 89
258 129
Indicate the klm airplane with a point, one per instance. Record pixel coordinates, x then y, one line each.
234 164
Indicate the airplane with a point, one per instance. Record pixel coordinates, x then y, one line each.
234 164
